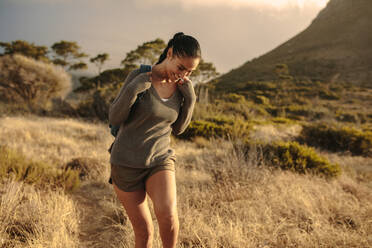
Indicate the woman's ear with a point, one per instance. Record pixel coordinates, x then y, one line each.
170 53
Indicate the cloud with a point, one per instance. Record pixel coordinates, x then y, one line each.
235 4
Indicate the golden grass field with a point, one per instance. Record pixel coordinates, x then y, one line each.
223 200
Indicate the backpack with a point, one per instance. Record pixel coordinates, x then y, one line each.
143 68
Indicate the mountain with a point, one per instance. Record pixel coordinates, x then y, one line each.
337 46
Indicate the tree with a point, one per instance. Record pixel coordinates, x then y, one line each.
204 72
26 49
107 77
25 80
147 53
67 53
99 60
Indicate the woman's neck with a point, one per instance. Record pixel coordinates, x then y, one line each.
159 72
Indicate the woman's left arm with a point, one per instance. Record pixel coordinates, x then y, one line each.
187 107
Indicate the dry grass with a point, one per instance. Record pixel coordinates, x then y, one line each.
269 133
34 218
223 200
56 141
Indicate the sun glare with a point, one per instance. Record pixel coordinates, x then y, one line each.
276 4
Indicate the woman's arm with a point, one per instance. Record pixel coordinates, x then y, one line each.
187 107
120 107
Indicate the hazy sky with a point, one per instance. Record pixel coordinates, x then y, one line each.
229 32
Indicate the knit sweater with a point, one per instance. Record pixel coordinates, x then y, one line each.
143 139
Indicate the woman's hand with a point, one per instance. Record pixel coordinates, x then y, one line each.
186 88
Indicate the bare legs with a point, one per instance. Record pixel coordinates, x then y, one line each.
161 187
135 204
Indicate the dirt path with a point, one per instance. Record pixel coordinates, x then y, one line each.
98 213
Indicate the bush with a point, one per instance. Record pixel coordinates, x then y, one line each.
88 168
262 100
37 173
234 98
205 129
25 80
337 139
222 127
295 157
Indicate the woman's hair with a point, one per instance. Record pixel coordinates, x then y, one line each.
183 46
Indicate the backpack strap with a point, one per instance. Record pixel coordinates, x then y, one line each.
114 129
145 68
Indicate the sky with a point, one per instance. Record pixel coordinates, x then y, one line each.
230 32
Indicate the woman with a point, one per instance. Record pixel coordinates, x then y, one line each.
142 162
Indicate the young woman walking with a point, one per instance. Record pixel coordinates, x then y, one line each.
142 161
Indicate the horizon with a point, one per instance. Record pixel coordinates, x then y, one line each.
215 24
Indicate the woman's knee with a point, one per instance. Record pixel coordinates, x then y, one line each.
167 215
144 232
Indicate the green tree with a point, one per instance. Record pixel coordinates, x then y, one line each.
99 60
147 53
26 49
107 77
68 54
204 72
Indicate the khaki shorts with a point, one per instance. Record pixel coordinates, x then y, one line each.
132 179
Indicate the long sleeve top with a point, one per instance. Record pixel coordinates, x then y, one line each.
143 139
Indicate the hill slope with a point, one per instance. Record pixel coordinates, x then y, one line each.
336 46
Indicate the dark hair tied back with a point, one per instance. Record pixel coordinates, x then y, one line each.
183 46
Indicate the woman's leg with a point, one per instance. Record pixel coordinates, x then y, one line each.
137 209
161 187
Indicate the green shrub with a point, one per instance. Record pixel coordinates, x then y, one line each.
282 120
299 110
338 139
295 157
205 129
234 98
37 173
222 127
262 100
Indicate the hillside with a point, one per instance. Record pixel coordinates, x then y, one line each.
336 46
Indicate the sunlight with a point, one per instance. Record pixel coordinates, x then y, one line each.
261 4
280 4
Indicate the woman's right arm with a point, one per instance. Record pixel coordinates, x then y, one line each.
134 84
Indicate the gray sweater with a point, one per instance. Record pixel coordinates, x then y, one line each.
143 139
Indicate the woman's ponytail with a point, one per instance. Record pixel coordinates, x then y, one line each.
183 45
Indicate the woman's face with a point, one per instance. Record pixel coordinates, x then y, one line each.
180 67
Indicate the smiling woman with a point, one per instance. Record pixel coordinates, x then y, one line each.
142 161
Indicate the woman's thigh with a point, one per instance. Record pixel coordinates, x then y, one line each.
161 187
136 207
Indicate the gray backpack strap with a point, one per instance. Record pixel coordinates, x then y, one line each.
114 129
145 68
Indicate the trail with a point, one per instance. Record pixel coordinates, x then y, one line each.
93 199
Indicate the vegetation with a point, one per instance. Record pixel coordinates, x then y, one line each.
26 49
35 83
234 202
291 156
39 174
68 55
338 139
